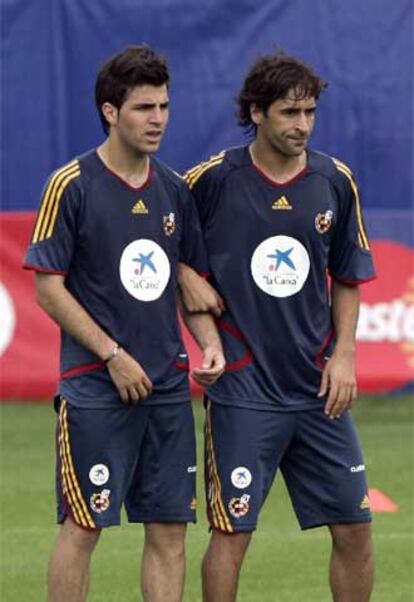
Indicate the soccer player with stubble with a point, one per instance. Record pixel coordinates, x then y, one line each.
278 217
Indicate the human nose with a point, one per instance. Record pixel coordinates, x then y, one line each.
158 115
304 122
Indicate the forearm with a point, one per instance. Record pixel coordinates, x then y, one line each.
196 293
204 331
345 310
202 327
64 309
338 380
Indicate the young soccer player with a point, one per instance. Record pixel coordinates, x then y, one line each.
112 226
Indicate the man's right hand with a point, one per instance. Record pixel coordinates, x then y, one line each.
129 378
197 294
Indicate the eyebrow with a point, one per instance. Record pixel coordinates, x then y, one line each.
147 103
295 108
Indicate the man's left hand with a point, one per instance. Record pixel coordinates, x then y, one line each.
212 367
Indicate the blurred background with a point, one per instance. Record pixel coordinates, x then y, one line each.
51 52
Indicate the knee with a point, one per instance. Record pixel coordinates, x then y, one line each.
166 540
83 540
231 545
353 539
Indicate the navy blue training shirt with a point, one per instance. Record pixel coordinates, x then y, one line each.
118 248
271 247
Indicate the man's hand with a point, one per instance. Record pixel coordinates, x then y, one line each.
129 378
339 382
197 294
212 367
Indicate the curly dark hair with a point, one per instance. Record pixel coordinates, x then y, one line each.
270 78
135 66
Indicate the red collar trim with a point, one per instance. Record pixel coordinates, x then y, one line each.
280 184
118 177
135 188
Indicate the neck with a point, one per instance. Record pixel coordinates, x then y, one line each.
131 168
274 164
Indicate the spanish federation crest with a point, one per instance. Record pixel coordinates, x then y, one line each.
323 221
239 506
100 501
169 224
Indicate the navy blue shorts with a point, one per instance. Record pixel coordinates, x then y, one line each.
142 457
320 460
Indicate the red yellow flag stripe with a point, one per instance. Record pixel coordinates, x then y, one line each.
362 235
69 480
49 206
196 172
219 516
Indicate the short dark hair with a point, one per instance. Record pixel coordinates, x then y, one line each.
134 66
270 78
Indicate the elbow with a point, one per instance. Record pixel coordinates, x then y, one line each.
48 292
42 299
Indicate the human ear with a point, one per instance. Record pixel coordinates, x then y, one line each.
110 113
256 114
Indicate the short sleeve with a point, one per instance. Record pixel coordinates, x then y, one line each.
350 258
192 248
54 234
202 181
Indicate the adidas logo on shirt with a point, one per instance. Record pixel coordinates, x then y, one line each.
139 207
282 203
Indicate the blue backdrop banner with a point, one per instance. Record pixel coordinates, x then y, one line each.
52 50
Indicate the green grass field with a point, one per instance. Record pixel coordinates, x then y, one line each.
283 564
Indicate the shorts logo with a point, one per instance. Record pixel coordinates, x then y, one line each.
100 501
241 477
280 266
365 504
192 469
239 506
359 468
193 504
144 269
99 474
169 224
323 221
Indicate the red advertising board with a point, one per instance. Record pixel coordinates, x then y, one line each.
29 340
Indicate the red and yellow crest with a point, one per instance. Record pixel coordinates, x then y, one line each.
169 224
323 221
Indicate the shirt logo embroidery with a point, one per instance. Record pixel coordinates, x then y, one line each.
139 208
323 221
280 266
169 224
144 269
282 203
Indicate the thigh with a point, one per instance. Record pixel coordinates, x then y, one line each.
325 472
163 489
97 451
243 449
